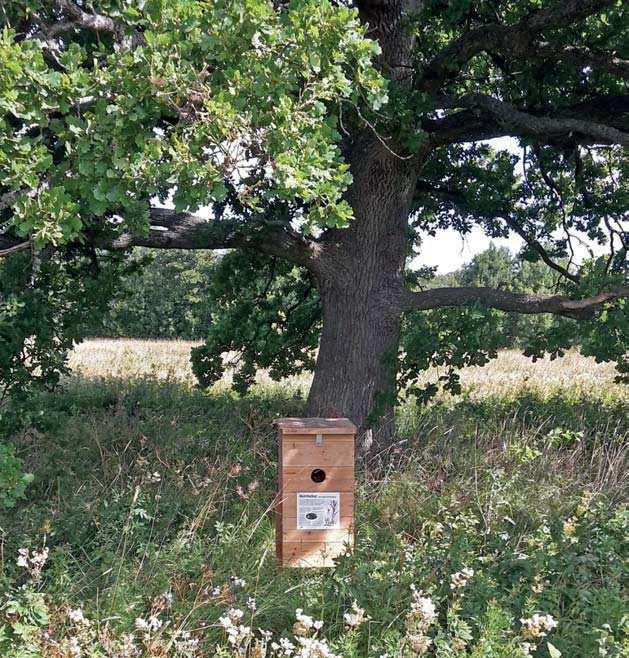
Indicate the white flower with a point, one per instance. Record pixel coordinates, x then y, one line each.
355 618
22 560
537 626
460 578
75 647
77 617
154 623
252 603
527 649
419 643
284 648
422 614
141 624
311 647
237 582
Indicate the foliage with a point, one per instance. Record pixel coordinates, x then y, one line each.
267 312
168 297
244 78
251 111
160 524
46 306
13 481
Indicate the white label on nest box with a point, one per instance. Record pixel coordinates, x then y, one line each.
318 511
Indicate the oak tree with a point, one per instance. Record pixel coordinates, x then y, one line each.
318 142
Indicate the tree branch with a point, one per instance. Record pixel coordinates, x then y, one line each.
579 56
181 230
515 121
447 64
14 249
580 309
457 198
77 18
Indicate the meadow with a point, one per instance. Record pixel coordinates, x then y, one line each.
495 526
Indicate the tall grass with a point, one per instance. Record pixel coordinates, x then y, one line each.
155 500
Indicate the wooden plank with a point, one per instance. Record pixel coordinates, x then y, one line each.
315 426
322 536
289 505
312 554
302 451
336 479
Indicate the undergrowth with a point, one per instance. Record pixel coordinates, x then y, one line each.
495 527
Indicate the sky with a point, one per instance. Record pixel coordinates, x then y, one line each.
449 250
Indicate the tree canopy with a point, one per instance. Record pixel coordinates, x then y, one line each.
322 140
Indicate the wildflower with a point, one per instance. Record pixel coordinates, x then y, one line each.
154 623
22 560
252 604
75 647
155 477
232 616
184 644
141 624
284 648
314 648
460 578
355 618
422 614
32 561
38 558
304 624
569 527
423 611
537 626
237 582
419 643
77 617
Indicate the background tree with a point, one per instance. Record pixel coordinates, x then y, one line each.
169 296
330 136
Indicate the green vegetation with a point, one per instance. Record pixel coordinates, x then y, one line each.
153 501
317 142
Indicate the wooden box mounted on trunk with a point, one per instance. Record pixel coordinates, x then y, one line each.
315 509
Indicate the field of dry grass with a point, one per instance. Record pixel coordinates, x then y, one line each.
509 373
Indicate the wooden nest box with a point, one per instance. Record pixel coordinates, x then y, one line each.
315 509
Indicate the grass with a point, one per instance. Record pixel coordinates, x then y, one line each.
154 499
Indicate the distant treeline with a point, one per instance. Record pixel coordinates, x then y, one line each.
171 295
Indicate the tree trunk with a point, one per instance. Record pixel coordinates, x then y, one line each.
361 269
360 273
356 364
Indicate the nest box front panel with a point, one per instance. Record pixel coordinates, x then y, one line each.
315 514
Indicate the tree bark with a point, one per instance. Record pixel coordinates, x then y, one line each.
356 365
360 273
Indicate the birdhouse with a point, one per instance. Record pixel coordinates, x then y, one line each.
315 504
